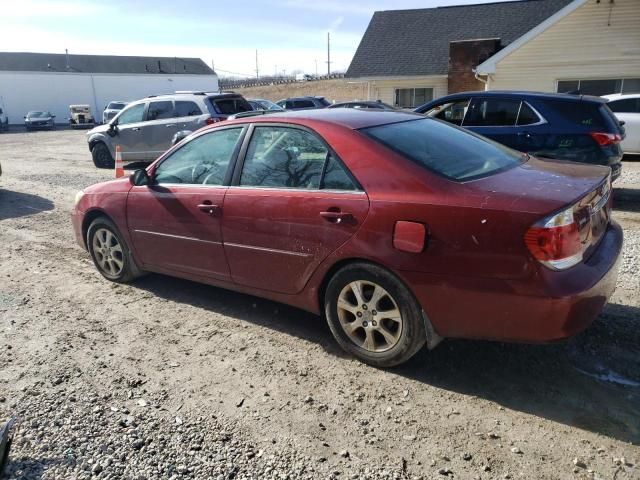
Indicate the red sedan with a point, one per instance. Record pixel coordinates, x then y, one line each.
400 229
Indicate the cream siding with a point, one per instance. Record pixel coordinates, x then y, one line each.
384 89
598 40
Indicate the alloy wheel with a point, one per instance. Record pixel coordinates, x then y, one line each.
108 252
370 316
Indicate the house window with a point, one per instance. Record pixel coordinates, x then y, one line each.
412 97
600 87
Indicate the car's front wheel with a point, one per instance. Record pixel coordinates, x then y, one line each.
102 156
373 315
110 252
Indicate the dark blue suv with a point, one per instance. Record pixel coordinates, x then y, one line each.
578 128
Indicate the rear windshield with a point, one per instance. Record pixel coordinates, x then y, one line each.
323 101
230 105
444 149
587 114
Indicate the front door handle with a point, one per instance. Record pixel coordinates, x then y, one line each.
135 129
209 208
336 216
171 125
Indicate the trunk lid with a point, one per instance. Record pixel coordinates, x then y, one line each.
546 187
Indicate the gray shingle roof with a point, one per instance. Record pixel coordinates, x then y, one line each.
416 42
57 62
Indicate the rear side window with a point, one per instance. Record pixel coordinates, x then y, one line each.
626 105
323 101
187 109
230 106
303 104
586 114
527 116
335 176
446 150
492 112
160 110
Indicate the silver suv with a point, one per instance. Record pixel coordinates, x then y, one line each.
145 128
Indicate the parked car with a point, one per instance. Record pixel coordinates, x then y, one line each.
4 121
39 120
112 109
365 105
303 103
626 107
401 229
80 116
145 128
578 128
261 104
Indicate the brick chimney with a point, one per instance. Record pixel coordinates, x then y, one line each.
464 56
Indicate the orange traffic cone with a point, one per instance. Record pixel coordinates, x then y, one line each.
119 164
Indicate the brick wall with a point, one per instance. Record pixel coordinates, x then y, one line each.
464 56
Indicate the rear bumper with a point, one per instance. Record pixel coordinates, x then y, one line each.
546 307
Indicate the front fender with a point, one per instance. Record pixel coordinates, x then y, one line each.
97 137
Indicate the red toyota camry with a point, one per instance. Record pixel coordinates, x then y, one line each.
401 230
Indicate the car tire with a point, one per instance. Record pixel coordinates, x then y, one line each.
110 253
386 328
102 156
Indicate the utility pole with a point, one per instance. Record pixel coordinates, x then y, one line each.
328 54
257 71
316 67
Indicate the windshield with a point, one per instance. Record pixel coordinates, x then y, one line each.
268 105
116 106
445 149
38 114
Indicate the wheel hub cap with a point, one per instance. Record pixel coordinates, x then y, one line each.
370 316
108 252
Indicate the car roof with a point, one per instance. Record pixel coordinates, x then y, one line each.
304 97
522 94
350 118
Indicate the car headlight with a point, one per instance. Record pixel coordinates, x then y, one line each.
79 196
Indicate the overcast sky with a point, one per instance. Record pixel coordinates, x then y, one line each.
288 34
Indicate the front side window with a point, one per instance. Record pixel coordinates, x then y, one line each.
492 112
160 110
132 114
187 109
284 157
453 112
202 161
412 97
446 150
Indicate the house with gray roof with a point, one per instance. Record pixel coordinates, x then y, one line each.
53 81
408 57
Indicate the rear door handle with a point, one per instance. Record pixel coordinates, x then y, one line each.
336 216
210 208
135 129
170 125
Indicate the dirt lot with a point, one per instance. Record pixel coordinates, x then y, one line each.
165 378
339 90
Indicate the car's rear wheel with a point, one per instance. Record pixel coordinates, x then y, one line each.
373 315
102 156
109 251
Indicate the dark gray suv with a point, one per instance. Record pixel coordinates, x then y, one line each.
303 103
145 128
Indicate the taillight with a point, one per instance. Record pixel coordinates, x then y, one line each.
603 139
556 241
211 120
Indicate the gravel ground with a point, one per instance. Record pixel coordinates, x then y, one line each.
168 379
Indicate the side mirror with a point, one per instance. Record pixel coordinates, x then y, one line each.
181 135
140 178
53 116
113 129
